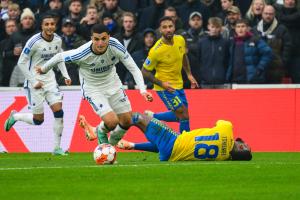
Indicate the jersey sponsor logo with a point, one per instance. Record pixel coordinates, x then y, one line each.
101 69
47 56
26 50
147 61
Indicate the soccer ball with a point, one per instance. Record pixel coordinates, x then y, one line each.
105 154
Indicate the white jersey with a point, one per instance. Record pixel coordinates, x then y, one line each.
98 71
36 52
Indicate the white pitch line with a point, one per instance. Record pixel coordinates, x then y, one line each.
149 165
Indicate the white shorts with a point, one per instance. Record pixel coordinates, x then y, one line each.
103 102
36 98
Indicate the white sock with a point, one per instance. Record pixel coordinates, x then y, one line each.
117 134
58 127
102 127
24 117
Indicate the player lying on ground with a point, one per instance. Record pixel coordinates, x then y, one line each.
215 143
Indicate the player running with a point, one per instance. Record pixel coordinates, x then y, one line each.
39 49
100 83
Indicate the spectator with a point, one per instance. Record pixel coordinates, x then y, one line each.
149 16
131 40
88 22
140 56
70 40
99 4
14 12
279 39
3 16
225 4
214 6
112 7
171 12
19 39
190 6
213 56
249 56
110 23
53 7
192 36
4 9
255 11
75 9
7 58
243 5
233 14
289 15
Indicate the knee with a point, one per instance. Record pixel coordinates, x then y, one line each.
38 121
58 114
111 125
182 113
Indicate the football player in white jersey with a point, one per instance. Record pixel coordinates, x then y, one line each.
100 83
38 49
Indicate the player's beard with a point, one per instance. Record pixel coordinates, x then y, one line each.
169 36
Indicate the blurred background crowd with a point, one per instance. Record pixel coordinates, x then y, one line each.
219 51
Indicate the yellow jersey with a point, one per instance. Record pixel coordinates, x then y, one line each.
204 144
167 61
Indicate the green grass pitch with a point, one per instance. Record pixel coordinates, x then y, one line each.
141 176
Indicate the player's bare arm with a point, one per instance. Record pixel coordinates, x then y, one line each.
149 76
187 69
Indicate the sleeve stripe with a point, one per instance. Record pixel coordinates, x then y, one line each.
81 54
119 46
34 40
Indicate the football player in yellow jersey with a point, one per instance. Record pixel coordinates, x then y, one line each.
215 143
167 57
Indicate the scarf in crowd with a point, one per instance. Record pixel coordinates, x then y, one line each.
260 27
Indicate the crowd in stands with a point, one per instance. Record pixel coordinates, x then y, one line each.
228 41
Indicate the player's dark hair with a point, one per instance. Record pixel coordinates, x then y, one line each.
242 21
166 18
238 153
48 15
99 28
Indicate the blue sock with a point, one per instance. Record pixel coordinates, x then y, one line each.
168 116
184 125
147 146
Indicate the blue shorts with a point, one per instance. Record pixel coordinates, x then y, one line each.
162 136
174 100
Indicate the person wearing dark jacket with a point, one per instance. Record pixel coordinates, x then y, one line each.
279 39
192 36
140 56
70 40
250 56
288 15
131 40
7 58
213 56
190 6
149 16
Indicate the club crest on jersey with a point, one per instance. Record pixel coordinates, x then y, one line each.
147 61
26 50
